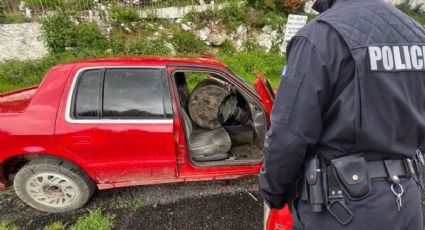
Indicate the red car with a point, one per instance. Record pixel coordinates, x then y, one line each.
118 122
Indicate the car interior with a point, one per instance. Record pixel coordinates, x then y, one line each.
223 125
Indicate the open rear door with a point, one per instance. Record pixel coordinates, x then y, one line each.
265 91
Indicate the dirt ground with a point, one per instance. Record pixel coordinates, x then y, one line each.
232 204
201 205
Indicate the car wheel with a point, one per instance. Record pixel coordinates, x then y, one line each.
53 185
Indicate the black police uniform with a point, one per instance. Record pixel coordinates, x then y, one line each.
354 83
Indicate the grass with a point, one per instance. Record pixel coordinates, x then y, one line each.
55 226
6 225
244 63
94 220
12 17
19 74
132 203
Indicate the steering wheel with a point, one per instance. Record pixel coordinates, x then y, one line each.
228 110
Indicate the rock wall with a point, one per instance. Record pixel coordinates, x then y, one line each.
21 42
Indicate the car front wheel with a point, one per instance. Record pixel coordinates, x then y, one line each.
53 185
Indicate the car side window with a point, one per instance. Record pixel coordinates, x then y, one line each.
87 97
132 94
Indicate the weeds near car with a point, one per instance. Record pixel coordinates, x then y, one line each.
6 225
94 220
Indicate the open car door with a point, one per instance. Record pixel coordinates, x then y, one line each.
274 219
265 91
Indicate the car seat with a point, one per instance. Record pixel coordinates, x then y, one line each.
204 144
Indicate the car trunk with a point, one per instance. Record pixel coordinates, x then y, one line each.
16 101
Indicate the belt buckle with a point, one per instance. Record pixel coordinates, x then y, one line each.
409 167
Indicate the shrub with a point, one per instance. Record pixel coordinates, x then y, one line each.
185 42
124 15
59 32
292 6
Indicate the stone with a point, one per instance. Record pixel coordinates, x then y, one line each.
204 33
282 47
20 42
267 29
241 31
28 13
171 47
217 39
185 27
308 7
265 41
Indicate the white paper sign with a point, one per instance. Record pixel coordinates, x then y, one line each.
295 23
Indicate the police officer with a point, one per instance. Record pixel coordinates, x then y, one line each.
348 122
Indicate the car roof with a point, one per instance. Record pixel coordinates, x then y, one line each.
157 61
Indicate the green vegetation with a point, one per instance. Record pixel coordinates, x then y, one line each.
236 14
59 4
132 203
6 225
94 220
12 17
187 43
244 63
55 226
416 13
59 32
124 15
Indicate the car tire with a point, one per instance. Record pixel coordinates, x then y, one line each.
53 185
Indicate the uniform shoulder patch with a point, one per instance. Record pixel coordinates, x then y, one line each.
390 58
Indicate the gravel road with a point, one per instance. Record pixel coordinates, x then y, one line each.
234 204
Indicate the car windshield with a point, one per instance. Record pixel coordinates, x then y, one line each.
242 79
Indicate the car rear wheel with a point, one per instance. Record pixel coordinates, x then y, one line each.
53 185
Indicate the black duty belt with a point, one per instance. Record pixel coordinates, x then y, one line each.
385 169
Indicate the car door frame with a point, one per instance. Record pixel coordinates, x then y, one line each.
186 168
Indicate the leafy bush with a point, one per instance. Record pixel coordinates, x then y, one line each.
124 15
231 16
187 43
59 32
